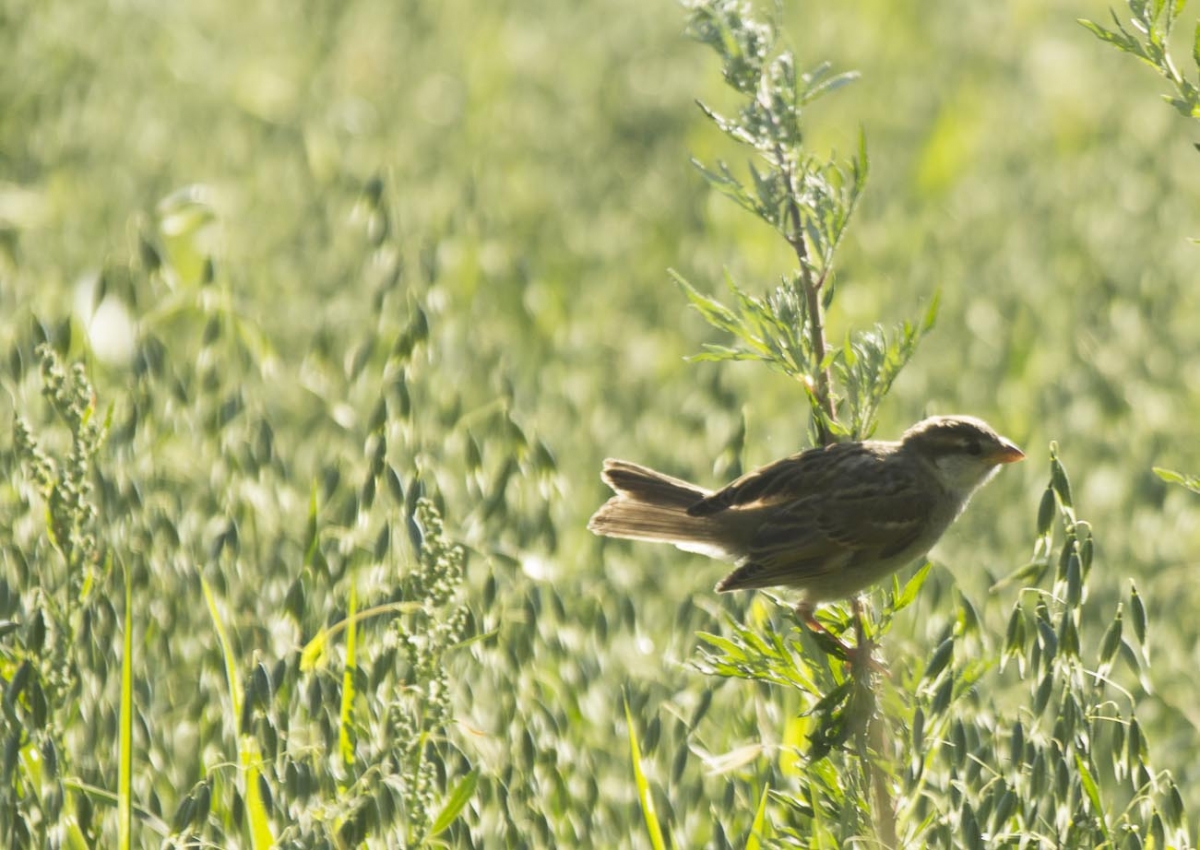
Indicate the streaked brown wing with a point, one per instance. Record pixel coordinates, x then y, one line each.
810 472
872 520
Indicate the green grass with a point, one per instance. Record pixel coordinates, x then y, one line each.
337 278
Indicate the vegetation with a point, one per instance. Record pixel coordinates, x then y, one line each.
315 329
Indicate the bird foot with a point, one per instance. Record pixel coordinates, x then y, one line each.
860 656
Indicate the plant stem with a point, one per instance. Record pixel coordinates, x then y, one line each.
871 742
812 297
883 807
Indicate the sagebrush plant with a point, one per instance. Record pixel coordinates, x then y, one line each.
809 200
1152 22
947 753
1029 741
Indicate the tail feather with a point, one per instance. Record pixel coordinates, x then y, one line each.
653 506
642 484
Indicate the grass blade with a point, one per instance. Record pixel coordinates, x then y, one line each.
1093 794
249 757
754 842
459 797
345 730
125 767
314 651
235 685
643 786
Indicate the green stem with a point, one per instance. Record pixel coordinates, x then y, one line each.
872 741
816 315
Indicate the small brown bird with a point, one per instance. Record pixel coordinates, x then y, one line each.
829 521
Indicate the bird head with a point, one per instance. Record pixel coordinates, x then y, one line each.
964 451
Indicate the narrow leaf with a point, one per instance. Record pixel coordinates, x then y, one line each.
1093 794
231 677
912 587
1192 482
311 533
713 311
643 786
248 756
459 797
125 768
345 722
754 842
931 314
725 645
256 809
817 89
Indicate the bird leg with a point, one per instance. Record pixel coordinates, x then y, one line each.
857 655
824 637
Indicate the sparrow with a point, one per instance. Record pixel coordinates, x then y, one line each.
829 522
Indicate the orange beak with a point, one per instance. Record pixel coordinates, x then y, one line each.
1006 453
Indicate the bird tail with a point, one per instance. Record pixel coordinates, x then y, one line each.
653 506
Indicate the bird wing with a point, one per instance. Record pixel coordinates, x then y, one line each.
866 511
810 472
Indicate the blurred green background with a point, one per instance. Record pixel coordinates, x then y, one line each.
313 173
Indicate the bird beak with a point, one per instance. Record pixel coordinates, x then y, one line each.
1006 453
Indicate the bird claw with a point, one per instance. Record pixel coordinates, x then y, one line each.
860 656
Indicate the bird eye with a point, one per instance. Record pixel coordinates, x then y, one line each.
973 447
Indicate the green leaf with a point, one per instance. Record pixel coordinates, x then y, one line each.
1093 794
249 758
231 676
313 651
757 833
312 537
125 724
1119 38
1192 482
816 88
458 799
931 314
731 650
645 797
724 180
718 353
912 587
713 311
345 721
256 809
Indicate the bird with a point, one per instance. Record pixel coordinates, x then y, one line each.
828 521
